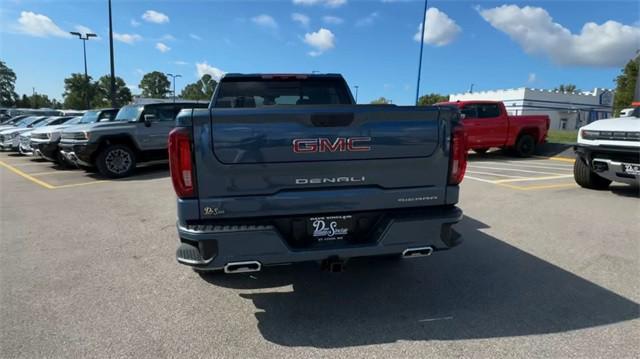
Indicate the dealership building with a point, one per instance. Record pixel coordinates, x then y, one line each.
567 111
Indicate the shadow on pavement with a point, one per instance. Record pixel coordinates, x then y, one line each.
625 190
483 289
555 149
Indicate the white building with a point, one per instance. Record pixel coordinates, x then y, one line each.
567 111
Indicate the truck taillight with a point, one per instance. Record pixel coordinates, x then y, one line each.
458 164
181 162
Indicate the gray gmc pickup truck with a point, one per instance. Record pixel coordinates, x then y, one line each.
286 168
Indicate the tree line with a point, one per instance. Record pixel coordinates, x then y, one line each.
153 85
156 85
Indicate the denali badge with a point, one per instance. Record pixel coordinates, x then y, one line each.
341 144
329 180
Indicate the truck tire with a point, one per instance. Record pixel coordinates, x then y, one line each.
480 151
116 161
525 146
586 178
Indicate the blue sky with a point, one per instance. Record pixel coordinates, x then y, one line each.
374 44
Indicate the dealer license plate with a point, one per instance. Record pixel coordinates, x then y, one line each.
330 228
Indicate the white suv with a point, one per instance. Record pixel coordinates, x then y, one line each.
609 151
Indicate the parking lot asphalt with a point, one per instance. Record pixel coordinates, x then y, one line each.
547 269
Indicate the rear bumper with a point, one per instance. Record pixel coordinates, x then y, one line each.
211 247
608 162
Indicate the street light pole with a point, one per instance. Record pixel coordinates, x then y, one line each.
112 91
84 50
174 85
356 87
424 26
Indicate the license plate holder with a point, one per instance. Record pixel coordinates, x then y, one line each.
331 228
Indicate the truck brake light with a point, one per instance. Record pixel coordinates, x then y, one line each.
181 162
458 164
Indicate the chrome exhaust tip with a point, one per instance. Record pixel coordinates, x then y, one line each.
417 252
243 267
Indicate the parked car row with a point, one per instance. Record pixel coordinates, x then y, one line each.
111 140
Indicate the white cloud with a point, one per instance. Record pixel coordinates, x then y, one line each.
301 18
39 25
441 29
368 20
155 17
203 68
327 3
321 40
162 47
134 23
606 45
167 37
127 38
265 20
83 30
532 78
333 20
195 37
180 63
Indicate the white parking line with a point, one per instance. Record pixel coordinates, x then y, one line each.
527 163
533 179
535 165
494 174
479 179
516 170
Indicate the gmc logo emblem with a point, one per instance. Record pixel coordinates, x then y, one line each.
341 144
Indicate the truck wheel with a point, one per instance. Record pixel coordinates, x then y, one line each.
586 178
116 161
525 146
480 151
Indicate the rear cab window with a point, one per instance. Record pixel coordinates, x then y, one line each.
252 92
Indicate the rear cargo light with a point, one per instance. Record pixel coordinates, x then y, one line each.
181 162
458 164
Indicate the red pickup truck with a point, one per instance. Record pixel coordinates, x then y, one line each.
487 125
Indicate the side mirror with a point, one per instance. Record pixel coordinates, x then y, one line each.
148 119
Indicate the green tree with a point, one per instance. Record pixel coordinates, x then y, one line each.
155 85
381 101
431 99
199 90
23 102
8 95
625 86
570 88
38 101
103 95
35 101
75 88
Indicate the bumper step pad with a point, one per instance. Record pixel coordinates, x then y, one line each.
190 255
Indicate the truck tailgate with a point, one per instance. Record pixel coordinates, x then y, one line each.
308 159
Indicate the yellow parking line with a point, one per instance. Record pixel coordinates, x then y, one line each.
24 175
79 184
51 173
558 158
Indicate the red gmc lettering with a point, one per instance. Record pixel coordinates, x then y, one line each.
341 144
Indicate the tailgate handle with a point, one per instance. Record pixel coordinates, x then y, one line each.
332 119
